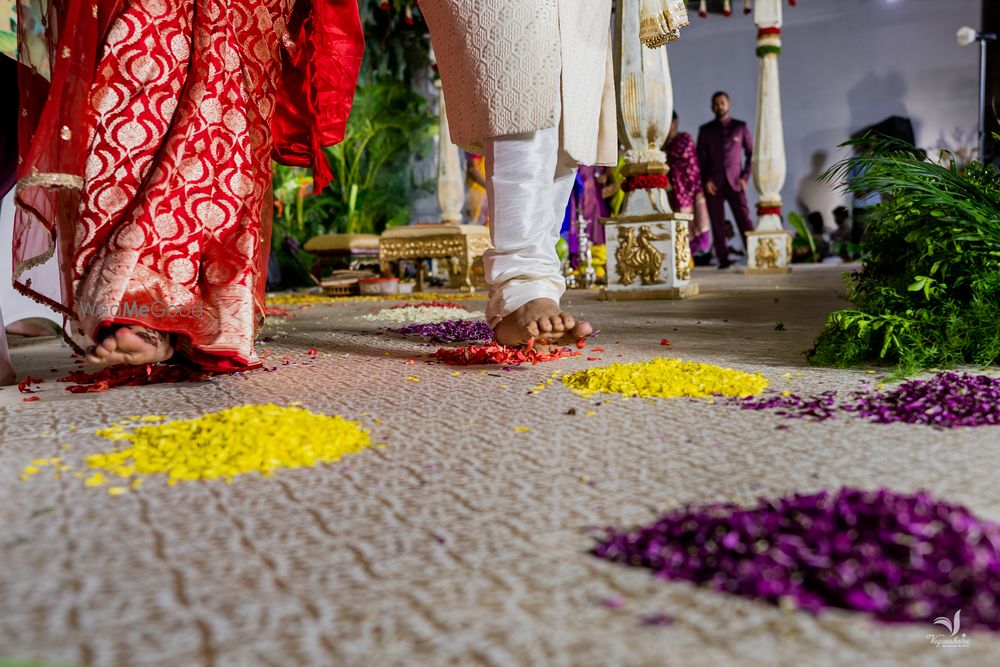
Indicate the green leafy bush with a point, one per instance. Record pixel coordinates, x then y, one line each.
928 292
390 128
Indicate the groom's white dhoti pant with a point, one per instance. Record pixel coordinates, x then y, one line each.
529 179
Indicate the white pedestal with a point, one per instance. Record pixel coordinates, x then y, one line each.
769 251
649 257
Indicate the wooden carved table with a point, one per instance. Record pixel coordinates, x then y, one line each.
461 244
348 251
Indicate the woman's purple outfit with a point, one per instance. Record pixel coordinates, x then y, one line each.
586 201
686 194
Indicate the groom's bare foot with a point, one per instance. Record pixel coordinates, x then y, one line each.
134 345
543 320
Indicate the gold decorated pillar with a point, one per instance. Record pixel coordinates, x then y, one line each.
648 252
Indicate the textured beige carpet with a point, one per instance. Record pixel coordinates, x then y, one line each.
460 543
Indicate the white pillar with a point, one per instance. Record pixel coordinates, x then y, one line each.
769 246
451 177
645 104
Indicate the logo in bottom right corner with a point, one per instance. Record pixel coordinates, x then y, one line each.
953 639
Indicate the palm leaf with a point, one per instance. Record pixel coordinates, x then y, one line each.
802 229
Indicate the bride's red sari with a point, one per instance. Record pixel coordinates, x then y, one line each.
147 131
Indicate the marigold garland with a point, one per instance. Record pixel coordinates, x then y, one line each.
666 378
238 440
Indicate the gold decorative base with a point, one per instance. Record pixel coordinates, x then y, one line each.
766 270
685 292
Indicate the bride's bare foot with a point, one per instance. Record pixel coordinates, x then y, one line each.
543 320
131 344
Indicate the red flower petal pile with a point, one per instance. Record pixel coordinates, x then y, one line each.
494 353
131 376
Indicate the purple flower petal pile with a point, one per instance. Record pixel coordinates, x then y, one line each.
450 331
898 557
817 408
947 400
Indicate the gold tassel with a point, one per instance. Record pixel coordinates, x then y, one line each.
660 21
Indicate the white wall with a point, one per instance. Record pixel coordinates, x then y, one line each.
845 64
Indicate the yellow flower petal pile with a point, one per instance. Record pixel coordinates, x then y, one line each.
666 378
294 299
246 438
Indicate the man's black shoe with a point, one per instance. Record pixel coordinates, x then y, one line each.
725 264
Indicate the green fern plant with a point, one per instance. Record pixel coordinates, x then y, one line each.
928 292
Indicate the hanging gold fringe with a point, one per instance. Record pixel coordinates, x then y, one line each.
660 21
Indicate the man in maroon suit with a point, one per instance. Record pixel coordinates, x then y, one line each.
725 174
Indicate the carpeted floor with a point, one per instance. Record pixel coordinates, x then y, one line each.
462 541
